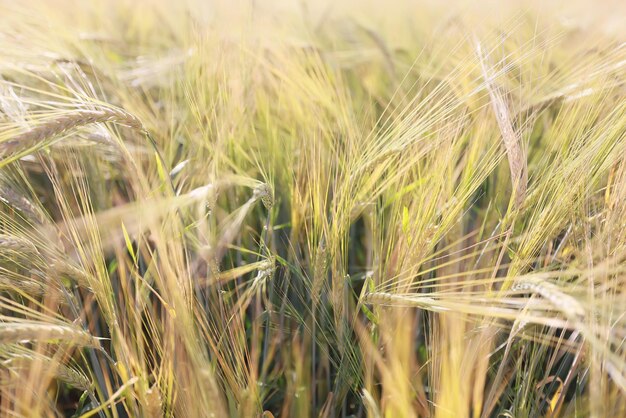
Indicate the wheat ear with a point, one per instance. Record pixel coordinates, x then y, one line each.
511 139
63 124
13 332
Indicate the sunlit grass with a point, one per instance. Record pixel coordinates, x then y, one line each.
216 209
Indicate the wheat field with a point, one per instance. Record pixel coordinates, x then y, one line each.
312 209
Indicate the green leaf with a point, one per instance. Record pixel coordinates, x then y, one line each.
405 219
162 174
129 244
368 287
369 314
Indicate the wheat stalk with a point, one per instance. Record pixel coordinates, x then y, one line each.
30 287
565 303
65 123
62 268
72 377
320 267
11 243
510 137
64 373
21 203
13 332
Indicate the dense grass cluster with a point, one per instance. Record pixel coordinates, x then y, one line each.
387 210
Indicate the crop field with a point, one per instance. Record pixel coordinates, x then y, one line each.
295 208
